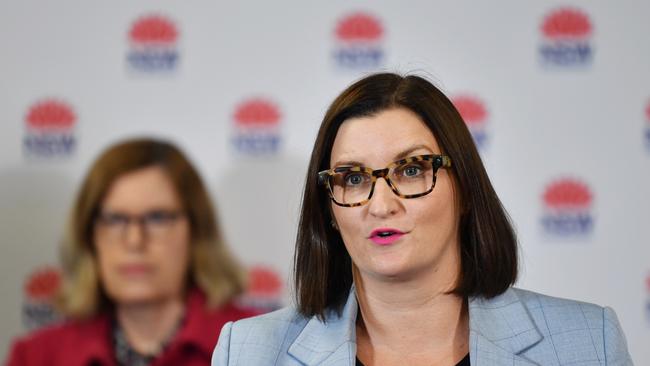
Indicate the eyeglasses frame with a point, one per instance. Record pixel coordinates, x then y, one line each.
438 161
140 221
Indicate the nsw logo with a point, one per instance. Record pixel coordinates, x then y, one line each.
40 289
567 208
566 38
153 45
264 291
475 115
257 127
359 38
49 129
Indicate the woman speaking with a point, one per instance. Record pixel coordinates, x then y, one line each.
405 255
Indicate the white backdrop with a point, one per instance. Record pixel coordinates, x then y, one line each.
557 93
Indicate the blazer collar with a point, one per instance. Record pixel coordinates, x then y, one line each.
500 329
332 342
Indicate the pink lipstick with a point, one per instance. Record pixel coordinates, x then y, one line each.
385 235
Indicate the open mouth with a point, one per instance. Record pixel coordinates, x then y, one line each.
385 232
385 236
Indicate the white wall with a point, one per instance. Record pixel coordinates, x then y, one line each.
544 122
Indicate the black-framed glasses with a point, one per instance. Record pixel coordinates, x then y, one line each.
155 223
412 177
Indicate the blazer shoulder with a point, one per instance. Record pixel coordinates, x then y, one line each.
577 325
31 348
49 336
554 315
535 301
54 343
260 340
268 328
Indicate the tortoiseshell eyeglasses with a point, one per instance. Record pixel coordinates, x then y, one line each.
352 186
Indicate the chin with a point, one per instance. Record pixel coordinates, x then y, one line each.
389 270
135 295
397 269
391 263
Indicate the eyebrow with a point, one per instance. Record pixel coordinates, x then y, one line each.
403 154
406 153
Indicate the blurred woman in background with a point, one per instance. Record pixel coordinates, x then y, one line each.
147 277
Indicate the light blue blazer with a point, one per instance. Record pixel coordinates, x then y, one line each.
516 328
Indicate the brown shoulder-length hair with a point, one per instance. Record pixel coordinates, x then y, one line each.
488 245
211 268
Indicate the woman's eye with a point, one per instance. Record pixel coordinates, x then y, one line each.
354 179
159 217
115 219
412 171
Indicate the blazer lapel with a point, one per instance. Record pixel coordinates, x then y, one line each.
500 329
331 343
484 352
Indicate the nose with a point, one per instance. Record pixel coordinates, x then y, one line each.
384 201
135 235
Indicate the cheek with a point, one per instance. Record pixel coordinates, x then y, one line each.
341 219
105 258
438 217
175 255
347 221
338 217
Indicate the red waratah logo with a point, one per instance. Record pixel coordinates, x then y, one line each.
153 30
264 291
40 289
359 42
49 129
264 282
43 284
153 47
566 38
257 112
567 23
567 194
567 208
257 122
471 109
359 27
50 114
474 113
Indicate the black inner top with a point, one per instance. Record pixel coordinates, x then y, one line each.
463 362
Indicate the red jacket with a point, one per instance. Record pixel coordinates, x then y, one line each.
82 343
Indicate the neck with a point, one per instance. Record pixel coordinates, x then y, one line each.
148 326
415 317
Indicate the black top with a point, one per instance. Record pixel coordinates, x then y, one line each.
463 362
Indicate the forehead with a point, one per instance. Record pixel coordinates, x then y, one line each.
381 138
144 188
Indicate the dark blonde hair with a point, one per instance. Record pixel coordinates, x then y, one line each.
488 245
211 267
